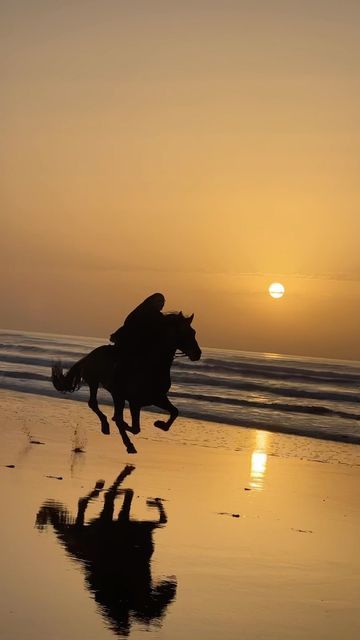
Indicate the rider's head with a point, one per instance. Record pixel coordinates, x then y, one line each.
156 301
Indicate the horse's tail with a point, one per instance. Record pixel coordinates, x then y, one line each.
68 382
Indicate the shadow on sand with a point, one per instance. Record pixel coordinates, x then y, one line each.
115 554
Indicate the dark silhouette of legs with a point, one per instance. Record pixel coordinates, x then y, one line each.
107 512
135 418
83 502
156 502
164 403
119 421
93 404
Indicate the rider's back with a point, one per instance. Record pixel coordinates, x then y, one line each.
141 327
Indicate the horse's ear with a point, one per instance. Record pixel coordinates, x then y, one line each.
181 314
190 318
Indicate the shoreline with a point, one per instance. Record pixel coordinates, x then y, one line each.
315 434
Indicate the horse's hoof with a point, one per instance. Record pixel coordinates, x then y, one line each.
131 449
120 422
134 430
105 429
125 425
153 502
160 424
129 468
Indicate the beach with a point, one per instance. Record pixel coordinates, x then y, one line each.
238 532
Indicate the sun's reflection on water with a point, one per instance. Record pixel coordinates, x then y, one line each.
259 461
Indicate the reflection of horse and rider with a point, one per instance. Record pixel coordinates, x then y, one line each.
115 555
136 367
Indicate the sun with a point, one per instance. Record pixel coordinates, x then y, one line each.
276 290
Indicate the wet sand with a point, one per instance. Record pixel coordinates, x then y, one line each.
223 532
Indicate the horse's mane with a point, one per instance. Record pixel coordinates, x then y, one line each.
174 315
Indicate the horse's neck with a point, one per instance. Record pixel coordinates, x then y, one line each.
162 356
159 352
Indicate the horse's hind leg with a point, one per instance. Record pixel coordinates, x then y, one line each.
121 425
119 405
93 404
164 403
124 514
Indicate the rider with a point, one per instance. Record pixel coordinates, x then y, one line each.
141 326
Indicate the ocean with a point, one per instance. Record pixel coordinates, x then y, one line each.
289 394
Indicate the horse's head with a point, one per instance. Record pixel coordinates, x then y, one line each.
185 340
53 513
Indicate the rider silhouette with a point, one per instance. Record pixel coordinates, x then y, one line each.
141 326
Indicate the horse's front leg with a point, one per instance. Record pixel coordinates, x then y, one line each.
121 425
156 502
135 418
164 403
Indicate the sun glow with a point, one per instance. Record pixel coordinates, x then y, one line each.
276 290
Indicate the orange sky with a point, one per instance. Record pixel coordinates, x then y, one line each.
203 149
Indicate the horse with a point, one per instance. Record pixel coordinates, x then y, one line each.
142 380
114 551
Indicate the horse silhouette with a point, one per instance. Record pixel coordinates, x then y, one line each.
143 379
115 555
